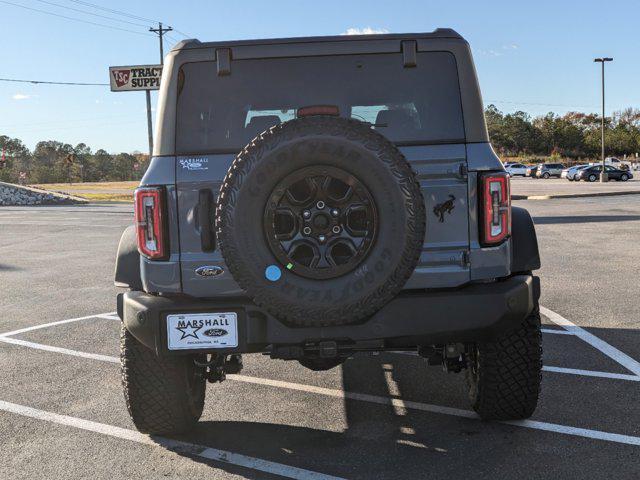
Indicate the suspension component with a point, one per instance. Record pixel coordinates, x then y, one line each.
216 367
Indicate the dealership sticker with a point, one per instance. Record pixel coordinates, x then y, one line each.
202 330
194 163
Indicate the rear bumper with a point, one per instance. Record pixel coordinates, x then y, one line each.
475 312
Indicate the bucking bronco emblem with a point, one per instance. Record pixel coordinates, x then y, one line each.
444 207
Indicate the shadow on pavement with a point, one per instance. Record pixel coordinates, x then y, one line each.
9 268
383 441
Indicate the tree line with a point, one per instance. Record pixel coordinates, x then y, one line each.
56 162
574 136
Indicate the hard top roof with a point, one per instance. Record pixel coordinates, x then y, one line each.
439 33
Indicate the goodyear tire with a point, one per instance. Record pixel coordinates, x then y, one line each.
503 376
163 395
321 221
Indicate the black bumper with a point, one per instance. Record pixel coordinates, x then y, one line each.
475 312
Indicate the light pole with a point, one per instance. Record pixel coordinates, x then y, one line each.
603 174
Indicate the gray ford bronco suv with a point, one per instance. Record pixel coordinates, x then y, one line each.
313 198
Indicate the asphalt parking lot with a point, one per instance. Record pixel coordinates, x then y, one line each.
62 414
540 189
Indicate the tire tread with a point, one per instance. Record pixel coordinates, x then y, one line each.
507 384
155 390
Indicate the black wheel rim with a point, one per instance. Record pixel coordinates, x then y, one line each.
320 222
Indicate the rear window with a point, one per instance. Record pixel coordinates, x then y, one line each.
408 105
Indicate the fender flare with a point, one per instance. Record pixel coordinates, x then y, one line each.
127 271
525 256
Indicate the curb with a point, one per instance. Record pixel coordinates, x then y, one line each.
574 195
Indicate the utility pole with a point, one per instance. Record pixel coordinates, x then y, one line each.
160 31
603 174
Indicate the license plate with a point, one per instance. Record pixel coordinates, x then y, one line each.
202 330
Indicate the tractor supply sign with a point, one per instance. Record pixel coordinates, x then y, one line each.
138 77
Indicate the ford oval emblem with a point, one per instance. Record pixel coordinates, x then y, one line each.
209 271
215 332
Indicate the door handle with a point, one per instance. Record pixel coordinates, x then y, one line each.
206 220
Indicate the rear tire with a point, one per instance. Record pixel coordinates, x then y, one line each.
592 178
163 395
504 375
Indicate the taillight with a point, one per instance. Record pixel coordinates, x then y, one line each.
496 208
149 218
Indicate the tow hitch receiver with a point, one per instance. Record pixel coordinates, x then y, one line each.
451 356
217 366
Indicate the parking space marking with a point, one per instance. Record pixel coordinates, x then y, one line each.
177 446
52 324
569 371
592 373
364 397
399 403
555 332
597 343
65 351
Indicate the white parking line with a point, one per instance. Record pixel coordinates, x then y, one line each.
363 397
65 351
555 332
52 324
569 371
597 343
179 447
592 373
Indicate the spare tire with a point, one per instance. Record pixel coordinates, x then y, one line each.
321 221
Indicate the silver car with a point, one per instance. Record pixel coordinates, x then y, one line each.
550 170
570 173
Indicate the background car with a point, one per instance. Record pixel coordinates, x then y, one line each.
531 171
550 170
514 169
592 173
570 173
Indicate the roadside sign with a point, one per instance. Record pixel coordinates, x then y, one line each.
135 77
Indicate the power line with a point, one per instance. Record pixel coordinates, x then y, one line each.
74 121
91 13
125 14
111 10
51 83
73 18
23 131
185 35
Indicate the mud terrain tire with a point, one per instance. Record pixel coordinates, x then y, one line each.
503 376
163 395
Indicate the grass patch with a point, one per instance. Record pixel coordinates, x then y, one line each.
107 197
89 186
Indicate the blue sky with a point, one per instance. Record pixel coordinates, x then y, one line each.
531 56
